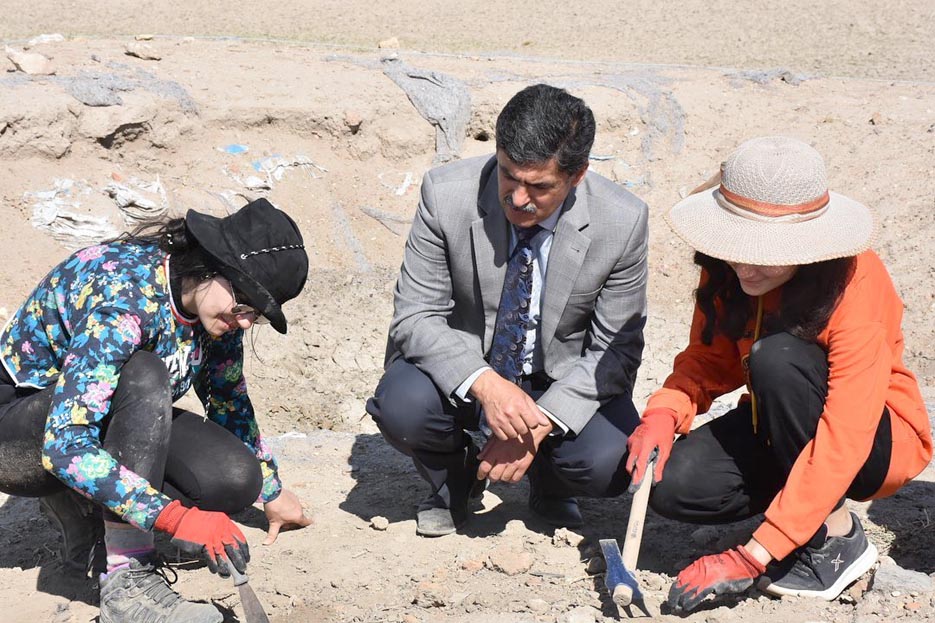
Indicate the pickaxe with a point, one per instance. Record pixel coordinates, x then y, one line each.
619 579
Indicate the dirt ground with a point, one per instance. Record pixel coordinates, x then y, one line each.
333 140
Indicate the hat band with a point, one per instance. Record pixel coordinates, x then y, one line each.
285 247
766 211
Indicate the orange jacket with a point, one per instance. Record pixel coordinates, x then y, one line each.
864 343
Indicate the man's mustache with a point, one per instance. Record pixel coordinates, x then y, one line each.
528 208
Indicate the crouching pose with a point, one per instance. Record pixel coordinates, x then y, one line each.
793 305
91 365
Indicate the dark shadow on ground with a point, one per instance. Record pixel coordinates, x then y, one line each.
28 541
910 515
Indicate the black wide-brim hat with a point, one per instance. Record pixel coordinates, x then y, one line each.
260 251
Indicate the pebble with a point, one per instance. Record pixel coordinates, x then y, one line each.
539 606
857 590
380 523
510 561
581 614
564 536
353 121
432 595
408 618
472 565
654 582
31 63
143 51
46 38
389 44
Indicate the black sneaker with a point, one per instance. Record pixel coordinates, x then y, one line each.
141 593
82 527
824 567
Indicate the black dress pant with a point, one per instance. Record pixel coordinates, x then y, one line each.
723 471
190 458
416 419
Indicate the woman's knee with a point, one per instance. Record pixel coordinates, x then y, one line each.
144 384
230 489
780 359
672 495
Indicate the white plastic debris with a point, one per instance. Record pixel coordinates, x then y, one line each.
56 211
139 201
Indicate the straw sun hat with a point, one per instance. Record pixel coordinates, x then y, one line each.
773 208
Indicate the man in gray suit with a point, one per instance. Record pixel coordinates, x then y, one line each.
519 312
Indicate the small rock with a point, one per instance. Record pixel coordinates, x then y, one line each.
596 565
380 523
890 578
389 44
353 121
144 37
705 536
876 119
581 614
255 183
31 63
45 38
564 536
857 590
472 566
510 561
408 618
539 606
912 606
432 595
654 582
143 51
895 593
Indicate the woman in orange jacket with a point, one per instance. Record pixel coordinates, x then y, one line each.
794 305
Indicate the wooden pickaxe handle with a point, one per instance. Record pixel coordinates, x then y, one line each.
623 594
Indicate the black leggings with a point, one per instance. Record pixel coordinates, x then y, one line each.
723 471
188 457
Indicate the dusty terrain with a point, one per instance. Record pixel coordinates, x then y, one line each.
341 147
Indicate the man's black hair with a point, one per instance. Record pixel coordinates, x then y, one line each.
542 122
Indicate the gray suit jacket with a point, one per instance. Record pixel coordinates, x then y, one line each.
593 306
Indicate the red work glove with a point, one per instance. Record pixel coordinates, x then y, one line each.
656 431
205 533
729 572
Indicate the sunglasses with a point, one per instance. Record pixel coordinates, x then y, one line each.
242 309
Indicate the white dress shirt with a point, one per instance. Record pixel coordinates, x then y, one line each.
541 244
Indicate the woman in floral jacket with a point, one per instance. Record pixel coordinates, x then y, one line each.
91 365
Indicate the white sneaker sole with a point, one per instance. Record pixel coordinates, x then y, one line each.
861 566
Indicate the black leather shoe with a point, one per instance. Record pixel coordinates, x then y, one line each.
561 512
556 511
434 518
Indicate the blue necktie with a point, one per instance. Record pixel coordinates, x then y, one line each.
509 335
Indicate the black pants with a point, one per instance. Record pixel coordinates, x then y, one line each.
416 419
190 458
723 472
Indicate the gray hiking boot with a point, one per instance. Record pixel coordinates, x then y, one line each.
824 567
141 594
82 528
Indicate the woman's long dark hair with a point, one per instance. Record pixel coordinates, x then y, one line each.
188 259
808 299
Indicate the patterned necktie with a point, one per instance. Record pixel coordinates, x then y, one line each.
509 335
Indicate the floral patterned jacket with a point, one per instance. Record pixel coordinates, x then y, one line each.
76 330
